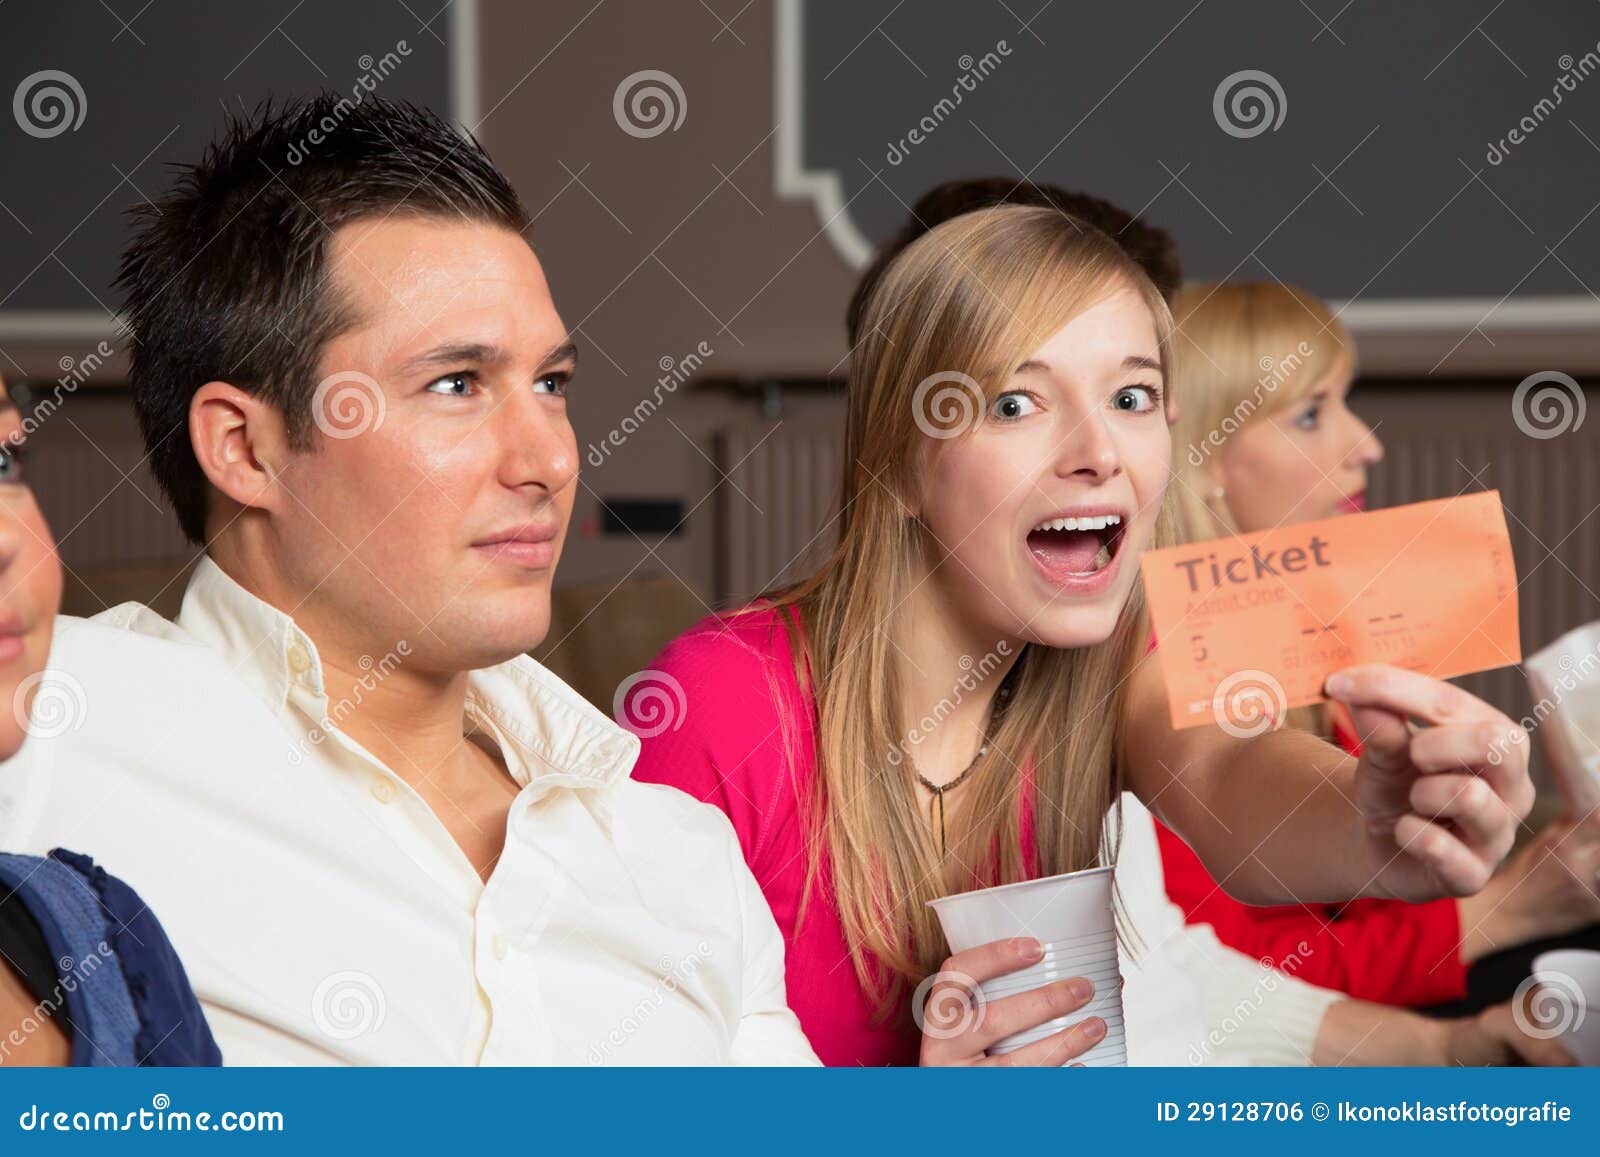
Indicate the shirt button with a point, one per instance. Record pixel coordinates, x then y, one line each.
299 658
499 946
382 790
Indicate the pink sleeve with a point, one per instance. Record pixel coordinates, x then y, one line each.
727 747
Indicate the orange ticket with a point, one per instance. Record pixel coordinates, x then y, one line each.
1252 626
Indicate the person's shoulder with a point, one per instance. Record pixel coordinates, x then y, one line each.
731 649
126 629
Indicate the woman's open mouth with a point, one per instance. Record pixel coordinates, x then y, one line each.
1081 551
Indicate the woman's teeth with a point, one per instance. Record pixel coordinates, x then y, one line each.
1090 522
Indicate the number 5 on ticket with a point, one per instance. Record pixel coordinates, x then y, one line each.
1252 626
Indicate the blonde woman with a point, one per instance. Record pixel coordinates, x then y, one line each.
1267 438
1010 377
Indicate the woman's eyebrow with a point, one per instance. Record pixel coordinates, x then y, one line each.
1131 362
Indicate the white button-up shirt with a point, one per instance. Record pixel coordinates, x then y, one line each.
322 910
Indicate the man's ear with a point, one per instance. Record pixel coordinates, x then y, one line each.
240 443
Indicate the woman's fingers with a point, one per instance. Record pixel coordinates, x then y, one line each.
1478 816
1025 1010
1059 1048
1459 871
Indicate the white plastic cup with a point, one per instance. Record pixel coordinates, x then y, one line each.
1567 1002
1071 916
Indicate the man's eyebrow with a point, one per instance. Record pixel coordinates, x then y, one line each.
567 351
454 354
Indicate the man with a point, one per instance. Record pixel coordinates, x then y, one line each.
376 830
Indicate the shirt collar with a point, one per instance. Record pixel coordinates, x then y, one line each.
544 728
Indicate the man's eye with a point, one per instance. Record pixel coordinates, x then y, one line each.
555 384
454 385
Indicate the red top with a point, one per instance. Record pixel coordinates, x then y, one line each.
737 674
1389 951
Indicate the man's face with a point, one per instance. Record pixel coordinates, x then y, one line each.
434 507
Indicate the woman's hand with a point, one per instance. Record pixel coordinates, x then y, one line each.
1441 803
1550 887
1496 1036
958 1024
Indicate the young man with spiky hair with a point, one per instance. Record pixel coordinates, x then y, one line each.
377 831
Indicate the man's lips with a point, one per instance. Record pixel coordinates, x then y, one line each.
13 637
531 546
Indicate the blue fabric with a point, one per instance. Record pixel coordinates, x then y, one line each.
127 998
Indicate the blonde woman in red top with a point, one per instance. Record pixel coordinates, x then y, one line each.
1267 438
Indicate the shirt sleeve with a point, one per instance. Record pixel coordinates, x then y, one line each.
1387 951
769 1033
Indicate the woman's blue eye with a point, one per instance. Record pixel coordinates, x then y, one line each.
1010 406
11 457
453 385
1308 420
1151 393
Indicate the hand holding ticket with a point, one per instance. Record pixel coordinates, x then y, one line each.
1253 625
1375 610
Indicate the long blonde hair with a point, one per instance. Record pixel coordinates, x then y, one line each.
974 297
1242 351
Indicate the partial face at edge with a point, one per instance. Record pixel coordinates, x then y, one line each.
1306 462
30 584
435 507
1079 432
